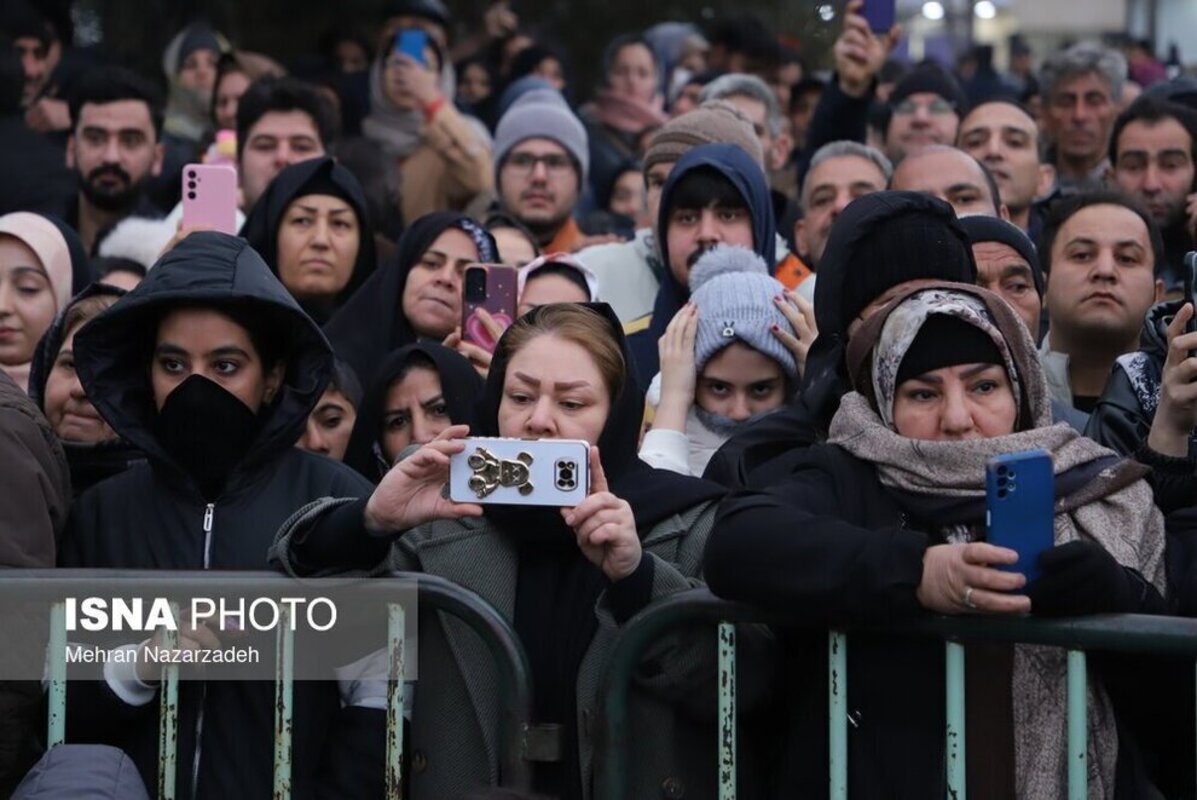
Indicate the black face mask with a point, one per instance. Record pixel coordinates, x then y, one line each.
206 430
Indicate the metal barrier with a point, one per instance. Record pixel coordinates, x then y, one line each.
433 593
1115 632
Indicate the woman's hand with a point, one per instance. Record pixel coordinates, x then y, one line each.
420 82
860 53
801 315
959 578
679 378
605 526
410 493
479 356
1176 416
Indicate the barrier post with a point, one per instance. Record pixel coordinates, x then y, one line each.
396 641
954 684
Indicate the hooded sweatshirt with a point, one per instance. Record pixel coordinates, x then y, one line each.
155 516
91 462
372 323
745 174
323 176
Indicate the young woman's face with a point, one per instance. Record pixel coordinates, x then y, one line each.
318 241
27 304
329 426
71 414
968 401
740 382
198 71
627 196
515 249
553 390
545 289
228 94
474 84
432 294
202 341
550 70
415 411
633 73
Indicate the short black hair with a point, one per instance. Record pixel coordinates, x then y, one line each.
1065 208
12 78
285 94
345 381
1152 111
706 187
111 84
103 266
565 271
21 20
991 182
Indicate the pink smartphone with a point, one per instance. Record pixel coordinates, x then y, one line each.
489 286
210 197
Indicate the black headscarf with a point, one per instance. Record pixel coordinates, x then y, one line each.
90 462
371 323
557 587
314 176
461 386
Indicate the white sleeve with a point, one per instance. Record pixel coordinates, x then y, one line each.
121 677
665 449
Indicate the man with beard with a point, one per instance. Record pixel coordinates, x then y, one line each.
1153 149
541 159
114 148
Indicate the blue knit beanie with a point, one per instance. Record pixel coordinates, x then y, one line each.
733 290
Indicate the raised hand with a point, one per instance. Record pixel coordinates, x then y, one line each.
605 526
960 578
860 53
410 494
1176 416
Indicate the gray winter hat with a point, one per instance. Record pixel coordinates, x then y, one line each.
542 114
733 290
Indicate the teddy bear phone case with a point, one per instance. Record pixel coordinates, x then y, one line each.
520 472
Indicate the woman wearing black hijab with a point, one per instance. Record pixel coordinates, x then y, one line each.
417 296
312 229
568 579
418 391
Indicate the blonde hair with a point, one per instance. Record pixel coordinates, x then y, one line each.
574 323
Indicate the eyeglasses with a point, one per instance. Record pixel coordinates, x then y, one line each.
525 163
935 108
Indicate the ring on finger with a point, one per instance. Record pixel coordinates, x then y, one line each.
968 597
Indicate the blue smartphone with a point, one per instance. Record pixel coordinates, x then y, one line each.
412 42
1020 499
881 14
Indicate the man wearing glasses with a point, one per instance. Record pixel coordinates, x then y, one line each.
925 109
542 156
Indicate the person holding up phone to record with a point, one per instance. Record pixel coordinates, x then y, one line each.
888 520
567 578
434 157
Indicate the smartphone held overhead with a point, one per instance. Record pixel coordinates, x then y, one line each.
1020 499
210 197
521 472
881 14
412 42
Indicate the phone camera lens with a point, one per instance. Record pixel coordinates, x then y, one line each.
191 185
1002 470
191 195
191 174
1002 494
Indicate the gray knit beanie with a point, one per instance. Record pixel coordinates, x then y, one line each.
733 290
542 114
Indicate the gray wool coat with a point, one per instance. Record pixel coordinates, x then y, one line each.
453 744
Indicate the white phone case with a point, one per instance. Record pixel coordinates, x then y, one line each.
520 472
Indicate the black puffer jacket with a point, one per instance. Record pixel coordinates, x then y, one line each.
152 516
1122 418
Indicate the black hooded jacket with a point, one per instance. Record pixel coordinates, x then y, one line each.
314 176
371 323
461 386
152 516
91 462
837 303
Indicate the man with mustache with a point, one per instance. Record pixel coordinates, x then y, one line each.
1099 252
1153 150
542 156
114 148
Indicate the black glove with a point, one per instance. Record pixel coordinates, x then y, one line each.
1082 578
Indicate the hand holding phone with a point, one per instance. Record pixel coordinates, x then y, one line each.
210 197
1020 495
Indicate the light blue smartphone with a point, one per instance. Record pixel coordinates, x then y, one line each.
1020 498
412 42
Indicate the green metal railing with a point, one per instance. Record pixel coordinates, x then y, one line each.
433 594
1114 632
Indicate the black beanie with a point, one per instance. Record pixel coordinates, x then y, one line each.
915 245
946 341
198 37
992 229
930 78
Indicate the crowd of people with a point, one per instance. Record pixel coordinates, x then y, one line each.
793 312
